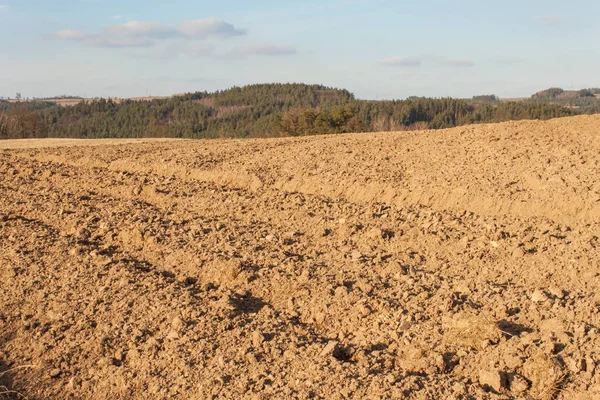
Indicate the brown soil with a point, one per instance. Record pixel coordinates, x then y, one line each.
458 264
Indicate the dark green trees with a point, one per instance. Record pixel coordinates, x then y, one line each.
264 110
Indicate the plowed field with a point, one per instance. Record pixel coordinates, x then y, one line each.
455 264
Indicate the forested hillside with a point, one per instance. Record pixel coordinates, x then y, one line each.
264 110
585 100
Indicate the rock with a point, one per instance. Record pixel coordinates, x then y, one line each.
590 367
341 291
364 287
539 296
328 350
518 252
320 318
364 310
119 356
518 384
494 380
177 323
459 388
74 383
356 255
173 335
104 362
556 292
137 334
257 338
55 373
270 238
580 330
208 286
137 190
576 364
549 347
375 233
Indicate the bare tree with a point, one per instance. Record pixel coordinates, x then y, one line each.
381 123
4 131
26 123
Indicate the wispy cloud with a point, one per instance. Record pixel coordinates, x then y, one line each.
196 38
402 61
117 17
70 34
548 19
202 28
418 61
454 62
4 7
137 34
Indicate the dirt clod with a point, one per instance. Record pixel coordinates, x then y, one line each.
494 380
55 373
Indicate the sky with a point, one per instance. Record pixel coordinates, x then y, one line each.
377 49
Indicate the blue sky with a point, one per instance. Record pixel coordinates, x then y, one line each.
378 49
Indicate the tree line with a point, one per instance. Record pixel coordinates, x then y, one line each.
259 111
20 121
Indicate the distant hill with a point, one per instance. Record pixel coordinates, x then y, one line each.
266 110
585 100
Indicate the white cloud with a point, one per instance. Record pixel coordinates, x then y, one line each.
116 41
121 36
417 61
548 19
148 30
4 7
202 28
70 34
117 17
136 33
166 42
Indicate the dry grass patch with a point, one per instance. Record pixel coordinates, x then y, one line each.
546 375
471 330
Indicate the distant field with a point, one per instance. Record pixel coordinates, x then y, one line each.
67 102
517 99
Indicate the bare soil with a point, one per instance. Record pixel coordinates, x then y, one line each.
456 264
